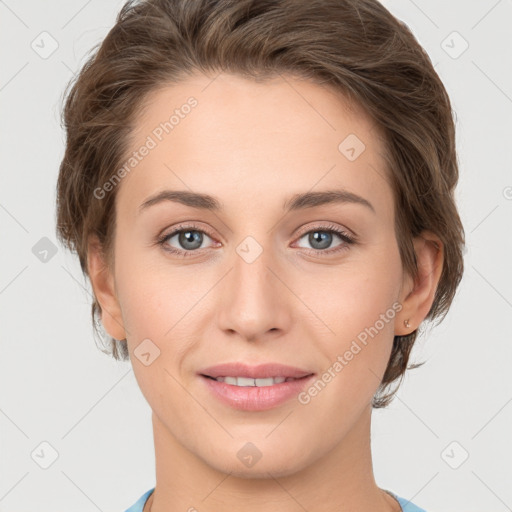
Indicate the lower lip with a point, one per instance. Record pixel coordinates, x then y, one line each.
254 398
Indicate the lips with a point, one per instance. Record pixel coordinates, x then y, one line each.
262 371
254 388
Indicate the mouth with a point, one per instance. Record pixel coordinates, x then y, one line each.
255 388
240 371
249 382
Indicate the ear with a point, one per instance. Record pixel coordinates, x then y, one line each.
417 295
102 282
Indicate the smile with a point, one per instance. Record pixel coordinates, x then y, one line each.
247 381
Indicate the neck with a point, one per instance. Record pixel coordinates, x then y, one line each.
342 480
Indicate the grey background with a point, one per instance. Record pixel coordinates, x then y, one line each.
57 387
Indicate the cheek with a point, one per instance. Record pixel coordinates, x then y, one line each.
360 307
356 296
152 304
150 292
356 355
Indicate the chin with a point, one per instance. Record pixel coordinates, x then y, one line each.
260 471
269 465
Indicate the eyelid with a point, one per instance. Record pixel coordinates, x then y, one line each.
327 226
163 238
185 226
347 237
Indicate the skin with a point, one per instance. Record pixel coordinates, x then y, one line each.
253 146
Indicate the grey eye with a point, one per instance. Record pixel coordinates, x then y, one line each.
188 239
320 239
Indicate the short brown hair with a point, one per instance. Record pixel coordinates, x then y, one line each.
354 46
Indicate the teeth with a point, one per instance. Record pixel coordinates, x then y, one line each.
246 381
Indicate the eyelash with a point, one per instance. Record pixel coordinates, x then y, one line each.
329 228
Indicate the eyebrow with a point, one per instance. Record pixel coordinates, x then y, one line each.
312 199
296 202
192 199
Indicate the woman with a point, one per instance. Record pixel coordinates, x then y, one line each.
262 195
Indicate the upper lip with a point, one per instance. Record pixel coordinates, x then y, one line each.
261 371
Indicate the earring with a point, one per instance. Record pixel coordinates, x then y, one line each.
406 323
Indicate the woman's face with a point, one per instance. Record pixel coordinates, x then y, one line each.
262 278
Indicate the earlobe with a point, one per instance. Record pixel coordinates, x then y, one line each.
102 282
419 295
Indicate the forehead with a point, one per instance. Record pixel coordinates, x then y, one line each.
225 134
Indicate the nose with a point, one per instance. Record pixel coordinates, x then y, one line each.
254 302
